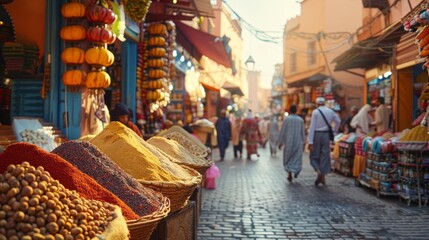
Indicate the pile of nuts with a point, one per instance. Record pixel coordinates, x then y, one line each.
36 137
35 206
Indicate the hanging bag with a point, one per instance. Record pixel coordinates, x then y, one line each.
331 133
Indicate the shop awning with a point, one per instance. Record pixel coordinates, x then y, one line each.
161 10
199 43
232 88
370 52
380 4
310 75
209 87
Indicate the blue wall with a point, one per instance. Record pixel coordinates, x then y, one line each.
63 103
60 102
129 74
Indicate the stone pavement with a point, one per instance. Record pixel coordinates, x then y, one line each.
253 200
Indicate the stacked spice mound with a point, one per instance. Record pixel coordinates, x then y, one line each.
178 154
191 143
36 206
68 175
136 157
88 159
417 134
91 161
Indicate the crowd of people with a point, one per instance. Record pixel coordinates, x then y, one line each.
291 136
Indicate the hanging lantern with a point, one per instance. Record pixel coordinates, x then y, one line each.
73 55
100 35
73 10
74 78
97 80
99 56
97 13
73 33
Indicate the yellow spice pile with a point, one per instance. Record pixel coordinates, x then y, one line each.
417 134
175 150
168 164
187 140
132 154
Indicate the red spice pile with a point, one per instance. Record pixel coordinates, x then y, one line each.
61 170
90 160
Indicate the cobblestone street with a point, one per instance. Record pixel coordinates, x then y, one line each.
253 200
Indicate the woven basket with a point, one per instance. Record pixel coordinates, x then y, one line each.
179 191
141 229
192 144
201 168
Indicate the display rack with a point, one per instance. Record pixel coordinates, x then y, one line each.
413 172
175 110
380 173
344 164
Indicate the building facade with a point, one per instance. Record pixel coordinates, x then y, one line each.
388 55
311 41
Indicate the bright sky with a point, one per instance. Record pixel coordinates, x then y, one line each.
269 16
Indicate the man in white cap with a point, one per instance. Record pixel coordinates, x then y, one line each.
319 139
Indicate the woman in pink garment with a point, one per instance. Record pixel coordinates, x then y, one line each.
251 133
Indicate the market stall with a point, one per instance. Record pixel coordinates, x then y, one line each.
153 197
377 170
344 153
86 70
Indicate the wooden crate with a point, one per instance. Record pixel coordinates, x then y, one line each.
7 136
197 198
179 225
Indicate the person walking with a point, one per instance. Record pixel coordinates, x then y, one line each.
319 139
237 140
381 116
273 135
263 129
223 129
292 137
251 133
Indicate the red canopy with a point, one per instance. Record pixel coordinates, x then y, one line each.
199 43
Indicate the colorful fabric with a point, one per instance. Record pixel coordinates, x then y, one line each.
252 135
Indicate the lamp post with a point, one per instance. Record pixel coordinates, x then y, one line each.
250 62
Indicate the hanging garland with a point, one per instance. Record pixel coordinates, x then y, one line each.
72 34
137 9
100 16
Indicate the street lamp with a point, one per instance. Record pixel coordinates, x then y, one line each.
250 62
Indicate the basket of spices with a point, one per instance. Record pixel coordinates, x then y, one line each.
179 191
38 206
150 205
68 175
415 139
188 141
143 227
147 165
178 154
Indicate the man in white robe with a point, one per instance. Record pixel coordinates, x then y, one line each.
293 139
